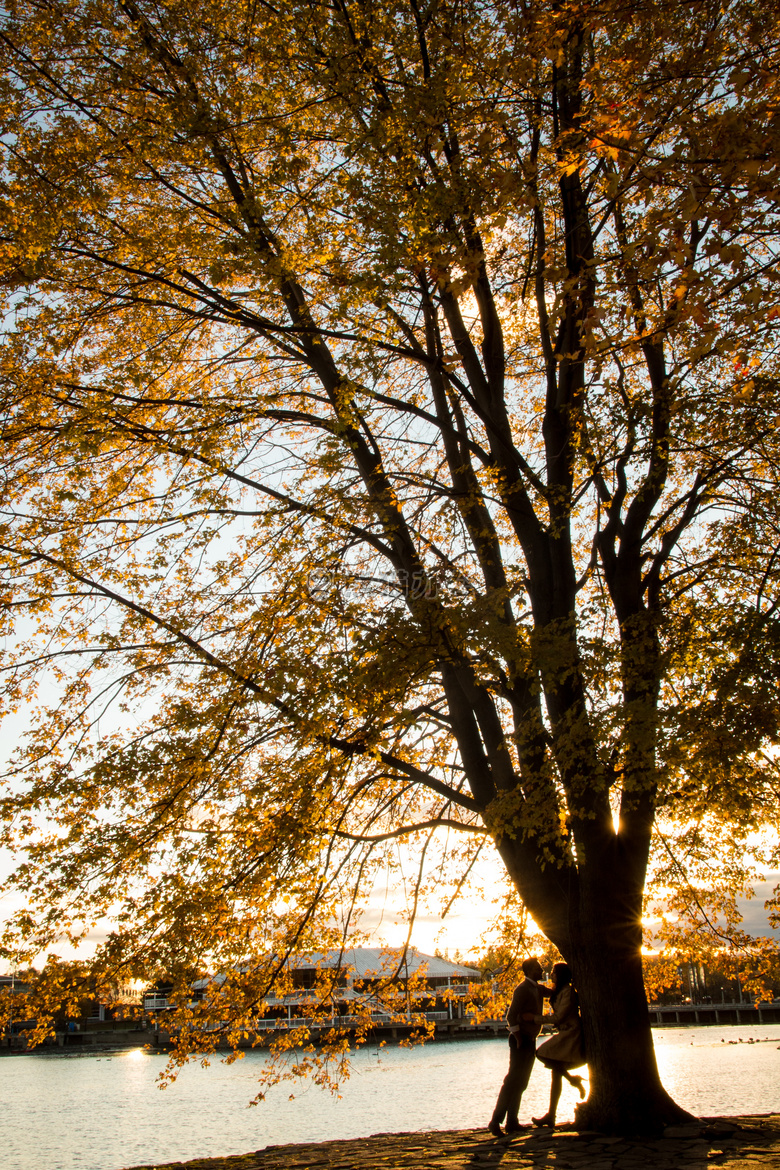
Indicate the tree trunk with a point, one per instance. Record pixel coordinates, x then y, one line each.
626 1094
593 916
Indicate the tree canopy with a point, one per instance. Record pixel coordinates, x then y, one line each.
390 451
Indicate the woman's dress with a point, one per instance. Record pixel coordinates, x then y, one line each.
565 1047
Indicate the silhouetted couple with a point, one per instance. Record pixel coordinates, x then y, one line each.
560 1053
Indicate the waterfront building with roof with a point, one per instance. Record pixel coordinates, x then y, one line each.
356 977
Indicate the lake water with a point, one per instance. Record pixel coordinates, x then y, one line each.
104 1112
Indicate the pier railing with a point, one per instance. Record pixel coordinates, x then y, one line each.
715 1013
660 1014
320 1022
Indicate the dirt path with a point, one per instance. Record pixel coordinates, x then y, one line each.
735 1143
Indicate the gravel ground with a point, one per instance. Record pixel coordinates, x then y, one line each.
736 1143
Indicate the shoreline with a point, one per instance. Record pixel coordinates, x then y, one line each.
105 1042
736 1143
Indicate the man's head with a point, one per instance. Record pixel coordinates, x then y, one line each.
532 968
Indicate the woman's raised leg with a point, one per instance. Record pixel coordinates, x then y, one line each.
577 1082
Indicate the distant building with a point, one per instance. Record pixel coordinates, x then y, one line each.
441 995
10 1034
123 996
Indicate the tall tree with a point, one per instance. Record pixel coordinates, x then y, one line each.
372 374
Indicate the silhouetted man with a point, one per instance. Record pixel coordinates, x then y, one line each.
523 1023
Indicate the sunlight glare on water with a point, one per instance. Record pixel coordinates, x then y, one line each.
718 1070
105 1111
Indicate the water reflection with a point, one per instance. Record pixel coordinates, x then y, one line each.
103 1112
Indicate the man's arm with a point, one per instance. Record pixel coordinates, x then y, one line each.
518 1008
531 1015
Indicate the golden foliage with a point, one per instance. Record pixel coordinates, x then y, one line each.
390 451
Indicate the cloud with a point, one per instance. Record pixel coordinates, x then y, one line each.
755 917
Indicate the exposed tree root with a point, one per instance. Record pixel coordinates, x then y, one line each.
639 1117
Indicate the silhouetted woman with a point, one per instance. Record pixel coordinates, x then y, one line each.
564 1050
